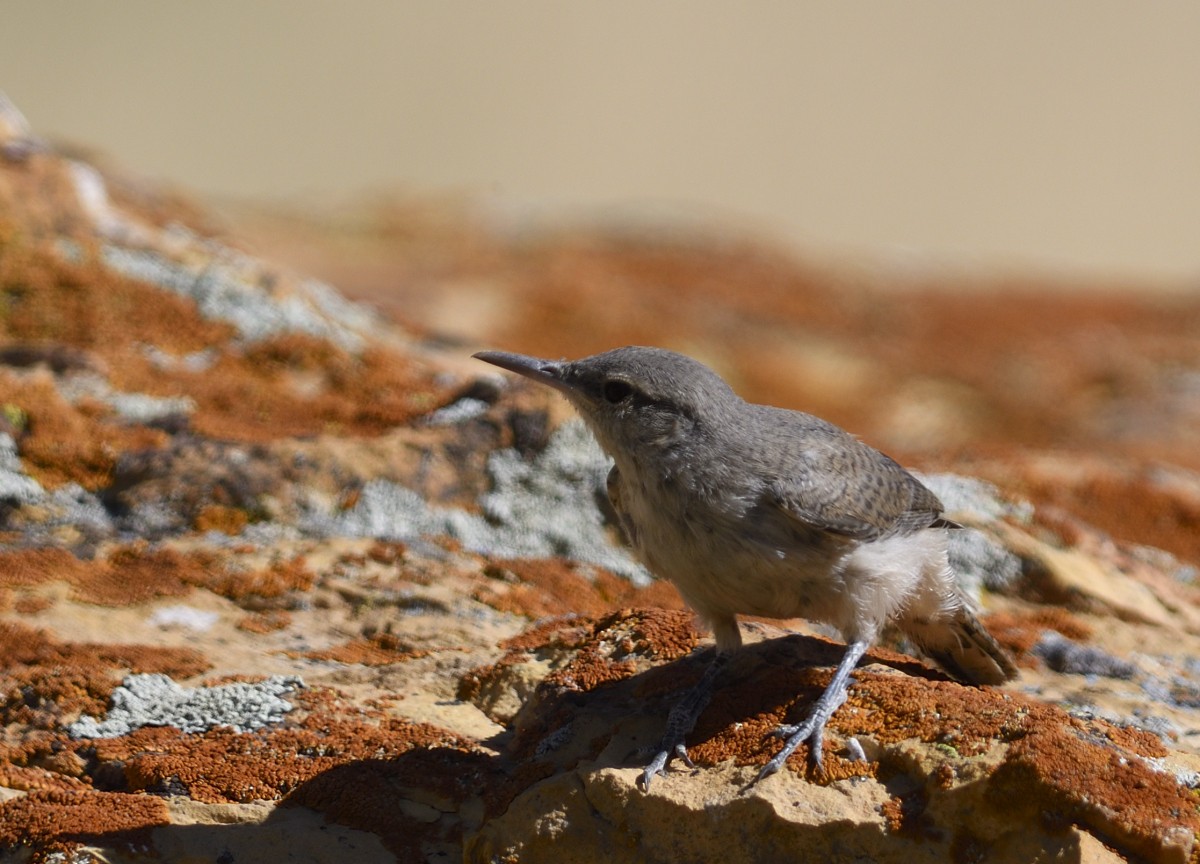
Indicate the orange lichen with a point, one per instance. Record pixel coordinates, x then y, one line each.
1134 508
264 622
45 679
379 650
571 631
1020 631
85 305
600 652
366 788
387 552
272 581
63 443
1130 738
1056 769
217 517
622 642
29 779
46 818
136 573
566 633
297 385
538 587
30 604
75 299
34 566
286 385
906 815
893 708
226 766
128 575
133 574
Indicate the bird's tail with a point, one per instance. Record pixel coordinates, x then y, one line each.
963 648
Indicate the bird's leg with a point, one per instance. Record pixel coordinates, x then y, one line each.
812 729
682 720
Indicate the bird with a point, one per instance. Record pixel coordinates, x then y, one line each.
757 510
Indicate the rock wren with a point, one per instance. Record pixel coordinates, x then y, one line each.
764 511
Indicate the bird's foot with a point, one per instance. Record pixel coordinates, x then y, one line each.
658 765
812 730
681 721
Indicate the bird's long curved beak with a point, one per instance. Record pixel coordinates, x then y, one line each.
548 372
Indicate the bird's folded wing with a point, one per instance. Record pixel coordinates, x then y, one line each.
854 491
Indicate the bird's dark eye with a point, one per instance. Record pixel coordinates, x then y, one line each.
616 391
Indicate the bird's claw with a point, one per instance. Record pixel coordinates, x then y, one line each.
658 765
812 731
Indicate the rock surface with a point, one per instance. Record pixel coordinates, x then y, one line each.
285 578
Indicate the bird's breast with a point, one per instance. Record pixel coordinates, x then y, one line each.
726 554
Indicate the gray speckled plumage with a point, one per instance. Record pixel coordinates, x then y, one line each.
751 509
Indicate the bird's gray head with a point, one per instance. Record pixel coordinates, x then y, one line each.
633 398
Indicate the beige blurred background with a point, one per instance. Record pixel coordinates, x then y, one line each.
1061 135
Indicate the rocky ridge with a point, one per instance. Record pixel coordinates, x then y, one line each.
283 577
